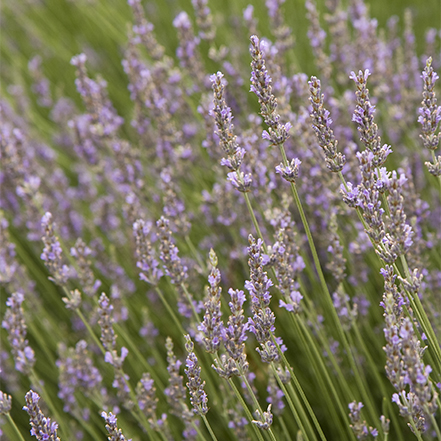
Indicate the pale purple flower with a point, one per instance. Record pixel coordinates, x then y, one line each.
115 434
212 325
52 254
290 172
321 123
41 427
261 85
198 396
5 403
262 322
430 116
14 323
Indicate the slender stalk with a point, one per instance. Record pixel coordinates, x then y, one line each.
329 302
14 426
245 408
208 426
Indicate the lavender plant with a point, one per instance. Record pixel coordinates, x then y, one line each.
298 290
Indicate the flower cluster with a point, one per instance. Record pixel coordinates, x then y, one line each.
14 322
198 396
261 85
43 428
262 322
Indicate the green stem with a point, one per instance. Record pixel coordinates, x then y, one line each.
255 401
245 408
208 426
293 407
435 426
14 426
329 302
147 366
296 383
170 311
310 344
378 379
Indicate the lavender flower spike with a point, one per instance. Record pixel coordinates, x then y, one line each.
115 434
358 426
261 85
227 139
14 323
290 172
364 117
198 396
212 324
224 119
52 252
234 337
430 117
5 403
262 323
430 113
321 123
41 427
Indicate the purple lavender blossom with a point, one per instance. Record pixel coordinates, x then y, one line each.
317 37
346 313
290 172
405 367
14 323
175 392
398 239
85 273
359 427
204 20
364 117
250 20
266 419
108 339
52 252
41 427
198 396
76 373
321 123
368 198
104 119
430 117
430 113
234 337
147 262
115 434
212 325
144 30
227 139
261 85
187 51
285 258
147 400
173 266
262 323
5 403
240 180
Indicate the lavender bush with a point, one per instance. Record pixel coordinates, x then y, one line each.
204 242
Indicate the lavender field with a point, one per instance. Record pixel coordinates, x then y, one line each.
220 220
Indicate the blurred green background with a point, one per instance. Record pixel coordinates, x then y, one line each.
59 29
